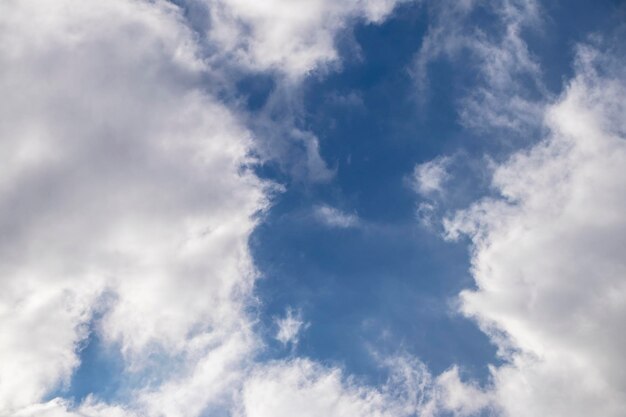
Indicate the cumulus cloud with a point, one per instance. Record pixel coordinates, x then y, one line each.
305 388
548 256
125 189
429 180
291 37
62 408
333 217
289 40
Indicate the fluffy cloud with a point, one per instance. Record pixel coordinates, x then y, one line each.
304 388
291 37
125 191
62 408
287 40
549 256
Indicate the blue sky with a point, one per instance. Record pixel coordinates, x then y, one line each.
392 274
344 209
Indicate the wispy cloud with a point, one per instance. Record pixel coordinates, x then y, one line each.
509 93
334 217
290 327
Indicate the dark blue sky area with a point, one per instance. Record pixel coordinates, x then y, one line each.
386 285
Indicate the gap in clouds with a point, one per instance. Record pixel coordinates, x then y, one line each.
100 372
386 284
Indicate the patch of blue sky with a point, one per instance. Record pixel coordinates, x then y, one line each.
100 373
386 284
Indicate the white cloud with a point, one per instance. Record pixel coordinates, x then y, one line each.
292 37
334 217
288 40
427 215
120 178
290 327
549 256
304 388
462 399
428 181
429 177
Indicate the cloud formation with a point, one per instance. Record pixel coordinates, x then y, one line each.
333 217
306 388
509 93
291 37
429 177
126 194
548 255
287 40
